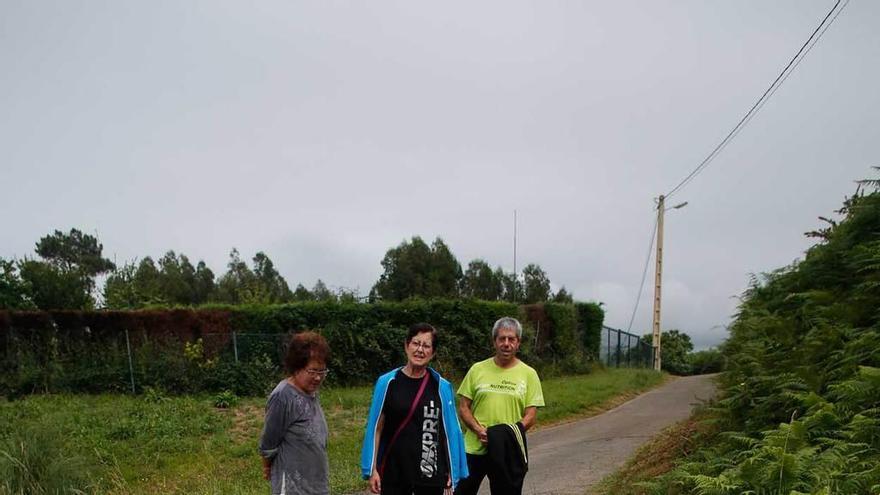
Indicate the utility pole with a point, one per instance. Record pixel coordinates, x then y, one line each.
514 246
658 277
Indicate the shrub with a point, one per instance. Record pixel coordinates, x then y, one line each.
707 361
225 400
590 317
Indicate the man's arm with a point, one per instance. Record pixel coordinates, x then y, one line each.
529 417
464 410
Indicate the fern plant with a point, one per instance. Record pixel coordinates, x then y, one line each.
800 410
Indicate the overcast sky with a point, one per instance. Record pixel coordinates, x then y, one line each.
324 133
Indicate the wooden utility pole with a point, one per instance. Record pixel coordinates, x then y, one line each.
658 277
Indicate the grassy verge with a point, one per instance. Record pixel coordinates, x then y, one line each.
154 444
657 457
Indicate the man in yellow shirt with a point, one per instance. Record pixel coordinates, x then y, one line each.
498 390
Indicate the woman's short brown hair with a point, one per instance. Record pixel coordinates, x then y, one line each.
423 328
303 347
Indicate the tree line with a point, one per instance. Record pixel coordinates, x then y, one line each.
64 275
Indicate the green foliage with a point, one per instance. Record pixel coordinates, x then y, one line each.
173 282
536 284
566 341
563 297
480 282
243 285
225 399
51 287
801 403
119 289
35 461
706 361
65 278
301 294
185 351
99 444
153 444
513 288
320 292
268 278
413 269
74 251
590 317
675 349
13 292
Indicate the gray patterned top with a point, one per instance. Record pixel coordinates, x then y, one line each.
295 439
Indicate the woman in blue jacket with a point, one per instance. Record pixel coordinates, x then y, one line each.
413 442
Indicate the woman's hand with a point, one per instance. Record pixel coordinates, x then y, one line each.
375 483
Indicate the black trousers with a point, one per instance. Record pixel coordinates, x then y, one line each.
392 489
478 468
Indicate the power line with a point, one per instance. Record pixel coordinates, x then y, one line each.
806 52
644 273
789 68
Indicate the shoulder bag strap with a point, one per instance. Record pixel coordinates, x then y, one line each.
412 410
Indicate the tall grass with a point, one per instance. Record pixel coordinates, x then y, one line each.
154 444
34 461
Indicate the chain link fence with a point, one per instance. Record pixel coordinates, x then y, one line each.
129 361
186 351
620 349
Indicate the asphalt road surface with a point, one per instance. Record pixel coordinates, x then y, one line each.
569 458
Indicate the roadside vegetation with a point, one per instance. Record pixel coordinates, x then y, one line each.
680 359
152 443
658 456
800 406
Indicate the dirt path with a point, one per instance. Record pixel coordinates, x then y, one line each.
569 458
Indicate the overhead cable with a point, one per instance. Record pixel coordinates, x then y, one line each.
789 68
644 273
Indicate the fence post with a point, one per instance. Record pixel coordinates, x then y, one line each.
618 348
235 346
130 365
608 354
537 331
628 340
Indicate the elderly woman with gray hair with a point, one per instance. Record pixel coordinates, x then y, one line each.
498 402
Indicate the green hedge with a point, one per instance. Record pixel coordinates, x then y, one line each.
590 317
190 350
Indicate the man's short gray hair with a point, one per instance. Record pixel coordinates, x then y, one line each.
509 323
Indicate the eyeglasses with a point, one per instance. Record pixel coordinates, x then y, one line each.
316 373
420 345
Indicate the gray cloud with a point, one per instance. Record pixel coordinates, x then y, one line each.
324 133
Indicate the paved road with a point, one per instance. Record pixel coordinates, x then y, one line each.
567 459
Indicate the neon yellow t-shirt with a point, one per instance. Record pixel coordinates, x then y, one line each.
498 395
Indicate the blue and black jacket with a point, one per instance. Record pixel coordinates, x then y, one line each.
454 440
